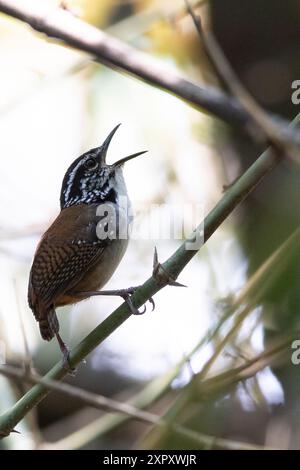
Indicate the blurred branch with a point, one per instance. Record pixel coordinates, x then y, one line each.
101 402
250 296
280 350
89 398
128 29
255 288
27 361
199 390
144 21
265 129
153 439
205 389
149 395
169 270
60 24
9 393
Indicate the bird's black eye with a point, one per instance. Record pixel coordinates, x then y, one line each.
91 164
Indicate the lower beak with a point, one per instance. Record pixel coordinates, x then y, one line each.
126 159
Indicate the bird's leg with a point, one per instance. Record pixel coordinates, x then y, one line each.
124 293
159 273
66 355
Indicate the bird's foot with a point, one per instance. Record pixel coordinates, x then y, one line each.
161 276
125 294
66 356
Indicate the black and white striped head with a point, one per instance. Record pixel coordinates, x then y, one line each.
91 180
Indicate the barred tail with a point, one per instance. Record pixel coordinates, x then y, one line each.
44 314
49 325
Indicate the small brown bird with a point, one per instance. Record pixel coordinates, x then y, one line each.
80 251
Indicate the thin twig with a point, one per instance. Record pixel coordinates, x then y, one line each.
222 382
27 356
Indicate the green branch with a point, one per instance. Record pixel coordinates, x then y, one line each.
102 402
173 266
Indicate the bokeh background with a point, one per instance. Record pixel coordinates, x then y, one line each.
55 103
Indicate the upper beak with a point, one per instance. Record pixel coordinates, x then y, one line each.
130 157
102 151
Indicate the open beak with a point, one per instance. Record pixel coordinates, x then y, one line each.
102 151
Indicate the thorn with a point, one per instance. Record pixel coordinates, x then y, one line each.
74 11
6 433
160 274
155 258
176 284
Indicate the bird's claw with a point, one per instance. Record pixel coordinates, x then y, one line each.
124 293
151 300
134 310
67 365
